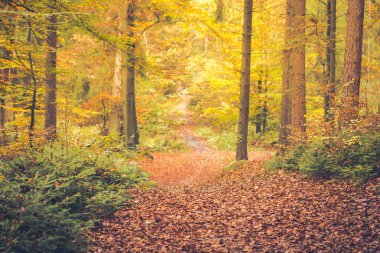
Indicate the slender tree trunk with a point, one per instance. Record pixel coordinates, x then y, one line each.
378 100
5 81
242 143
352 61
265 107
330 59
130 117
286 103
3 134
259 109
51 76
14 81
34 101
369 56
105 117
120 73
297 73
34 80
116 109
265 117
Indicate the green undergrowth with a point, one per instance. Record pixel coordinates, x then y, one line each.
221 140
226 139
52 196
264 140
233 166
348 155
162 137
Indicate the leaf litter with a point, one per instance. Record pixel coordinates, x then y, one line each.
247 210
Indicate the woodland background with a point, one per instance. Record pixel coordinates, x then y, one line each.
89 87
179 45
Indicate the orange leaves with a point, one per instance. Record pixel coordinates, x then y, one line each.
248 210
181 169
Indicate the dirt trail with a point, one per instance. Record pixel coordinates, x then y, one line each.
186 131
196 166
247 210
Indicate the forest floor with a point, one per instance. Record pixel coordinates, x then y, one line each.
195 209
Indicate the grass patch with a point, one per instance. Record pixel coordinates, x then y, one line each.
232 166
225 140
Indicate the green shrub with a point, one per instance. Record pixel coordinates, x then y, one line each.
344 156
30 224
317 160
50 199
287 160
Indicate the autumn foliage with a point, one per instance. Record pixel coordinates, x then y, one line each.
121 120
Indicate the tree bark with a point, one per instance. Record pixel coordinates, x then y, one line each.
242 142
286 103
265 106
330 60
116 114
5 81
14 81
297 65
34 101
34 80
259 109
130 117
105 117
352 61
51 75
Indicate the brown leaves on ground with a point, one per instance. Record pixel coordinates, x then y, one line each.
198 165
185 169
248 210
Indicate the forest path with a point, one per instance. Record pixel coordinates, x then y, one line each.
197 165
246 210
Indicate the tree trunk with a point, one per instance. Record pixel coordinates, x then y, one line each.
286 103
34 80
259 109
105 117
14 81
3 134
265 108
5 81
330 60
297 65
119 78
116 109
242 142
34 101
352 61
51 76
130 117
